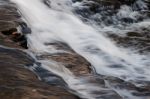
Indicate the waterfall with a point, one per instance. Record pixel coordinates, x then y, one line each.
56 21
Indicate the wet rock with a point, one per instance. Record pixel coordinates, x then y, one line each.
7 41
21 39
9 32
8 16
74 62
47 3
70 59
109 86
6 25
23 84
11 38
134 34
24 28
106 12
129 87
128 2
98 10
17 82
135 40
101 91
9 21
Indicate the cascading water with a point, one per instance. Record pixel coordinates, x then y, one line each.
55 21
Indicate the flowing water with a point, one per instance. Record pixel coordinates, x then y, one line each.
56 20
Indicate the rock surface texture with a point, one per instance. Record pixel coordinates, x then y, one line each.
16 81
21 77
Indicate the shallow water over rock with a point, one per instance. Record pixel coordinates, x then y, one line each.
74 57
17 82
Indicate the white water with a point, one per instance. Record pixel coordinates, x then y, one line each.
60 24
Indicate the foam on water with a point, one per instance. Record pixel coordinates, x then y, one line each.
58 23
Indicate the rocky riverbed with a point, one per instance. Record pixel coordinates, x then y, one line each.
19 79
16 80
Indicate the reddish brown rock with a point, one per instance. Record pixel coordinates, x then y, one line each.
17 82
71 60
74 62
9 16
7 41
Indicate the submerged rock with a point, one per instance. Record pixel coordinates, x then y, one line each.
74 62
70 59
137 41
